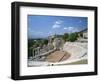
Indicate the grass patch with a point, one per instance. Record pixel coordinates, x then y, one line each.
84 61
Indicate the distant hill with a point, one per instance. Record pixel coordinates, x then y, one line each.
57 36
84 30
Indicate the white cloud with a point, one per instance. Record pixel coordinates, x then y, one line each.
57 24
71 29
65 28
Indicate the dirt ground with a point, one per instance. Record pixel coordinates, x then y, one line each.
57 56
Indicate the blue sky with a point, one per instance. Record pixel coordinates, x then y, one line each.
41 26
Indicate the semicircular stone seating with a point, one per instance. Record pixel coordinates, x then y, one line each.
77 50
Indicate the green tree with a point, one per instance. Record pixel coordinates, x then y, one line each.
65 37
45 42
31 43
73 37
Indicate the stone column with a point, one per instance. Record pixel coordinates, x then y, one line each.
33 53
38 51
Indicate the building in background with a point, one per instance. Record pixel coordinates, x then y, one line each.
83 36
